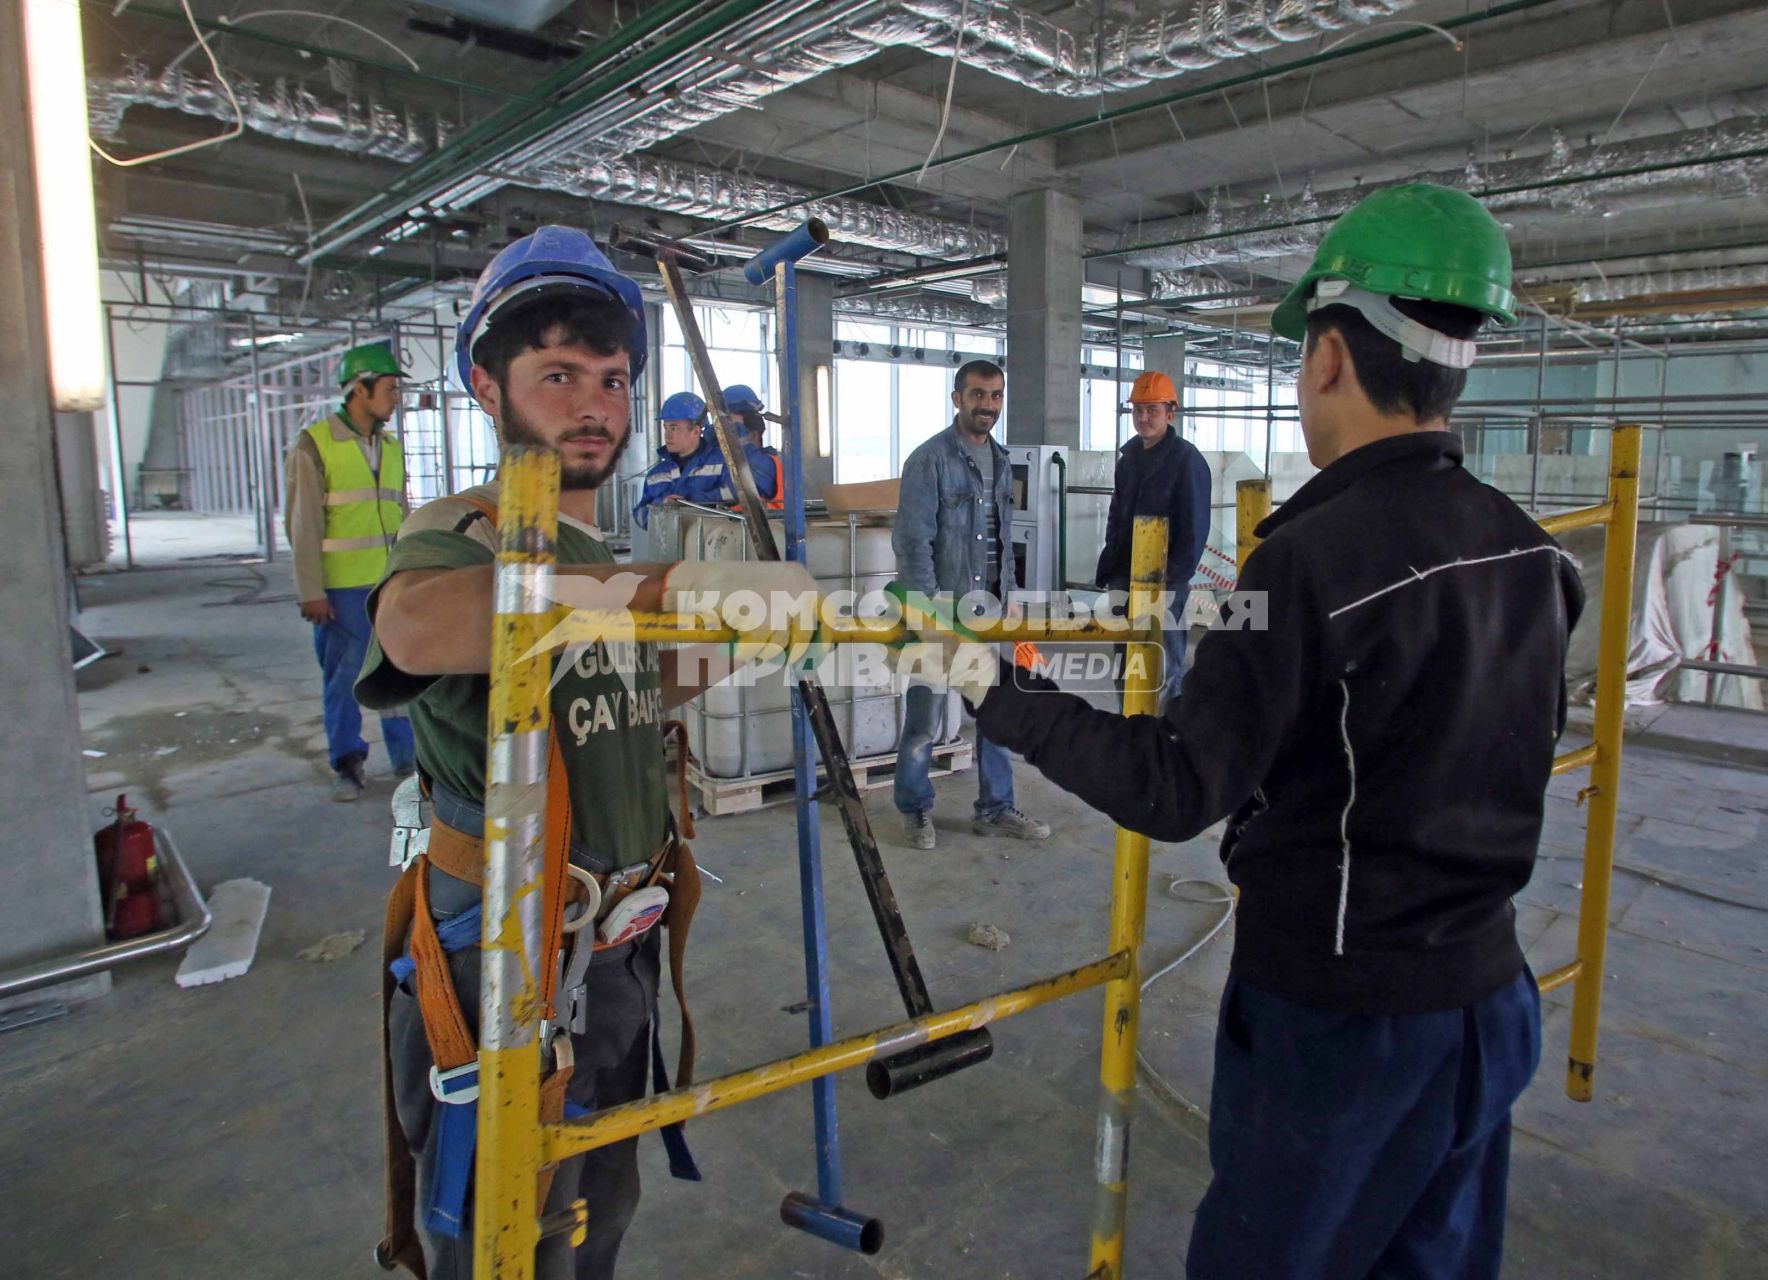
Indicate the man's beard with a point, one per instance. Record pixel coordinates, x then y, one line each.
977 424
579 475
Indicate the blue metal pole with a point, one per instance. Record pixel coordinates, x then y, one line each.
810 864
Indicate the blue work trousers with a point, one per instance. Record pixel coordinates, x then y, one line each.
923 725
1350 1147
340 646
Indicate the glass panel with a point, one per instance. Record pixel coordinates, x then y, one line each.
924 407
862 421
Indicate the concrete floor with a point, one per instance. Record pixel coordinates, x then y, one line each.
233 1130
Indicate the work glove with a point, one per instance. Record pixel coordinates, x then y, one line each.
943 652
773 603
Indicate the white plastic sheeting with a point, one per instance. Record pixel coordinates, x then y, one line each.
1672 616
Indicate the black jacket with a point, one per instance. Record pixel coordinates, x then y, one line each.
1170 480
1383 744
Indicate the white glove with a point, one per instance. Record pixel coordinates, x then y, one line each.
945 653
773 603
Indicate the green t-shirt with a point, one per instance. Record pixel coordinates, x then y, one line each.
607 698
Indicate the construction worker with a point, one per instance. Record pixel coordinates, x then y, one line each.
1379 736
345 491
764 459
950 537
689 466
1159 473
549 345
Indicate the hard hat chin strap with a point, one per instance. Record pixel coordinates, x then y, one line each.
1417 341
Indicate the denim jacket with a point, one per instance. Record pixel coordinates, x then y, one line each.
941 527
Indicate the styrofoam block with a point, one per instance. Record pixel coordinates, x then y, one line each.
226 950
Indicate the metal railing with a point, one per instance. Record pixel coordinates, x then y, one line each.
1715 665
513 1142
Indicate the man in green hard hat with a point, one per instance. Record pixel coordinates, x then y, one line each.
345 500
1379 735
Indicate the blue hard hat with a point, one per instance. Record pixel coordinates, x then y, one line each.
683 406
738 397
550 257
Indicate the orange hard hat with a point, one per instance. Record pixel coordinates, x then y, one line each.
1154 388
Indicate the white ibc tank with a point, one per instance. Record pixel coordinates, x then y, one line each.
738 731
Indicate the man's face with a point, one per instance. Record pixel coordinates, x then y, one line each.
681 436
978 403
380 397
566 398
1151 420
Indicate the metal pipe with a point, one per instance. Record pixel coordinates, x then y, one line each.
620 60
562 1141
1586 518
1724 669
1535 429
1605 774
1061 464
1559 977
1270 72
1575 759
1129 909
829 1222
119 473
505 1207
806 240
193 923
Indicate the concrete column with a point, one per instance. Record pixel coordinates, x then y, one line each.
48 878
816 346
83 516
1043 319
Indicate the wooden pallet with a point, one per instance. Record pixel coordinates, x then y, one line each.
721 796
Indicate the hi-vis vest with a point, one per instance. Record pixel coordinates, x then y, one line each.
362 510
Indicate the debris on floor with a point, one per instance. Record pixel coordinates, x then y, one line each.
333 946
988 937
227 949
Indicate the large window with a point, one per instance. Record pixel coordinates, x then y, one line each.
884 408
740 343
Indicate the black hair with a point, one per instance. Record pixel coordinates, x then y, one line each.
1393 383
981 368
753 422
578 318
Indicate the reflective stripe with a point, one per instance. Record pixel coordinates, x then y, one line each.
709 469
338 497
373 542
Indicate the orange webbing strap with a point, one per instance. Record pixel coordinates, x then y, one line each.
684 756
684 898
400 1247
452 1043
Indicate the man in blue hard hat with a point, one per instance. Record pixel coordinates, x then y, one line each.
689 466
764 460
549 345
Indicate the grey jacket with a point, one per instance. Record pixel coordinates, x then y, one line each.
941 527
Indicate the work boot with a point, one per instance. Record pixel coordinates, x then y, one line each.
348 782
1011 822
917 829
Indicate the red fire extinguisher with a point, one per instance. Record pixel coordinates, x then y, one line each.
128 874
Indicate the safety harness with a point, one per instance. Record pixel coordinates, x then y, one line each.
421 965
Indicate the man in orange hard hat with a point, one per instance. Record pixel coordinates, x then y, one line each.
1159 473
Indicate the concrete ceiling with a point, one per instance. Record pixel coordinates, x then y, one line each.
1574 73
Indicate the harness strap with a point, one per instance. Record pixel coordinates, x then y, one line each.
400 1246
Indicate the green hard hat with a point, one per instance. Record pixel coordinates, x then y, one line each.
376 359
1413 241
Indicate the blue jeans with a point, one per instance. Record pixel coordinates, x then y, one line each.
1172 644
1349 1147
340 646
922 725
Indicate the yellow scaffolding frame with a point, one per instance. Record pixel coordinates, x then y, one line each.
513 1144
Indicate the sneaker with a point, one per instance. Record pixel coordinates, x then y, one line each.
917 829
347 784
1011 822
